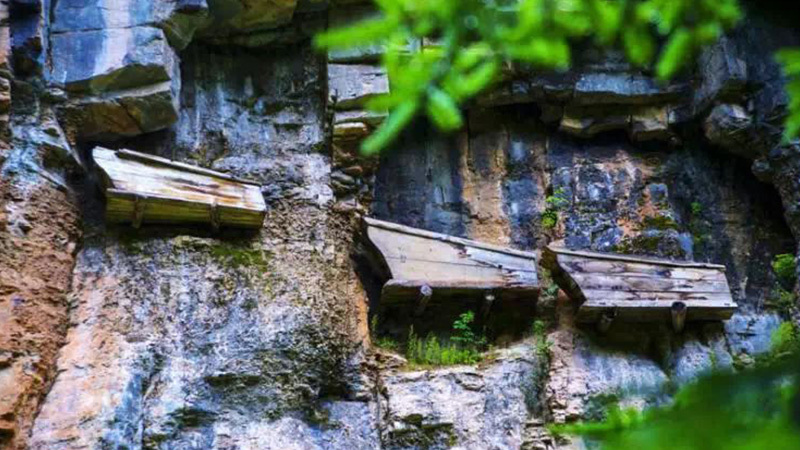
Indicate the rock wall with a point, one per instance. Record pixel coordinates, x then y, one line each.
182 338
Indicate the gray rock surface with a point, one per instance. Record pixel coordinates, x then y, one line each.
463 407
181 338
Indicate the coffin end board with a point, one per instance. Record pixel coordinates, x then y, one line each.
142 188
449 266
640 289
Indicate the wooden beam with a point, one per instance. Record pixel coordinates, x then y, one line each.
425 294
139 204
606 319
678 311
488 301
214 215
152 159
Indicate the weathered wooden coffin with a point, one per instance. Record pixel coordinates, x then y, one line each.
142 188
631 288
422 261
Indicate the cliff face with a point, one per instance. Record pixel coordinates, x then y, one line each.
178 337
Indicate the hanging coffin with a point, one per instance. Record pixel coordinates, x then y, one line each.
630 288
422 263
142 188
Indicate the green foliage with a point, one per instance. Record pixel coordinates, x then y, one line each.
785 268
785 341
659 223
384 342
782 300
474 38
549 219
790 59
463 334
541 346
554 203
464 347
237 256
699 227
751 411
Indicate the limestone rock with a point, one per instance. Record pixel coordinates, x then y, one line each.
351 84
723 72
38 235
589 122
124 113
29 38
111 59
177 18
622 89
730 127
230 17
462 407
339 17
650 124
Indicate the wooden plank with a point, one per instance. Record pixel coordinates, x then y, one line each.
164 191
417 256
405 290
437 271
446 238
634 259
129 154
594 295
652 311
585 265
628 283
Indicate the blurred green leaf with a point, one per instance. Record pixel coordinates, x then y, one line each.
676 49
390 128
443 110
466 41
639 46
367 32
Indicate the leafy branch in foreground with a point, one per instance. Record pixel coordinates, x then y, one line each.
465 43
757 409
790 59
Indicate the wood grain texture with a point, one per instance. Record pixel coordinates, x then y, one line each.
172 192
639 289
448 264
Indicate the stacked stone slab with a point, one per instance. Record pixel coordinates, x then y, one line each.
354 76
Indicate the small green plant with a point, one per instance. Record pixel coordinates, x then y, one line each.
554 203
384 342
781 300
659 223
541 346
784 342
699 226
785 268
464 347
463 334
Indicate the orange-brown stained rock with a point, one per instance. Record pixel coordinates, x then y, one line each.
482 167
38 236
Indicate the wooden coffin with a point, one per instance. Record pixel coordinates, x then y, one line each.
143 188
422 263
632 288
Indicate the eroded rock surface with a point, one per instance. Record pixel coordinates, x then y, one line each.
181 338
